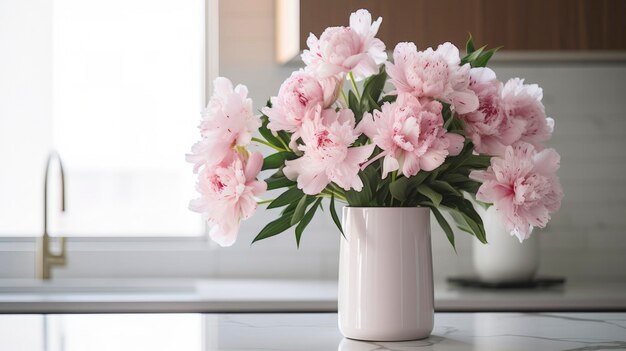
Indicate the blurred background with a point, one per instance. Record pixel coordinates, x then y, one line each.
116 87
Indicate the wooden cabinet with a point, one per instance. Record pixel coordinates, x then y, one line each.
517 25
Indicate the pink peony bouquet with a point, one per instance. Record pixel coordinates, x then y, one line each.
447 135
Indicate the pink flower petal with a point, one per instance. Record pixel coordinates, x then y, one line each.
390 164
456 142
433 159
547 161
464 101
253 166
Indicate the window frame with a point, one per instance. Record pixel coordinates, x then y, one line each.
153 254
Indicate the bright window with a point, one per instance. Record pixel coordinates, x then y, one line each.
116 87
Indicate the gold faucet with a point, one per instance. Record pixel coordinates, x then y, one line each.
45 258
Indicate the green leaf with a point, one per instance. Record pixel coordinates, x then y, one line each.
292 195
374 85
381 195
368 104
456 161
353 104
460 221
477 161
387 98
372 179
277 160
445 226
285 137
299 211
273 228
333 214
267 134
455 178
418 179
278 174
466 217
446 112
289 210
484 58
469 47
470 186
445 187
435 173
360 198
306 220
469 58
476 225
457 126
427 191
281 182
398 188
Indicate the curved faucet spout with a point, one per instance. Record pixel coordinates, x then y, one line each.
51 157
45 258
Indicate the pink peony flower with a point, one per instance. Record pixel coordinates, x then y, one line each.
523 187
340 50
228 195
411 136
489 127
522 103
433 74
328 157
227 123
297 94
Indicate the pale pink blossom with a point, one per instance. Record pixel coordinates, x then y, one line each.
411 136
227 195
328 157
489 127
433 74
340 50
523 187
227 123
296 96
522 103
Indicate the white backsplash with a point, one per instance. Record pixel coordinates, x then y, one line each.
585 239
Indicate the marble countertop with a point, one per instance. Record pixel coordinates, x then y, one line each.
305 331
94 296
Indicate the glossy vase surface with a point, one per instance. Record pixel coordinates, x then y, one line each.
386 274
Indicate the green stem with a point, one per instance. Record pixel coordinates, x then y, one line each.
337 190
330 193
356 89
345 99
267 144
264 202
287 148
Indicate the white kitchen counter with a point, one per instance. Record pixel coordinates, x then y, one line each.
76 296
306 331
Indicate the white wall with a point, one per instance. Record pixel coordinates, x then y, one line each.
583 240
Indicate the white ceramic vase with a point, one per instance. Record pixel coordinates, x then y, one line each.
504 258
386 274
